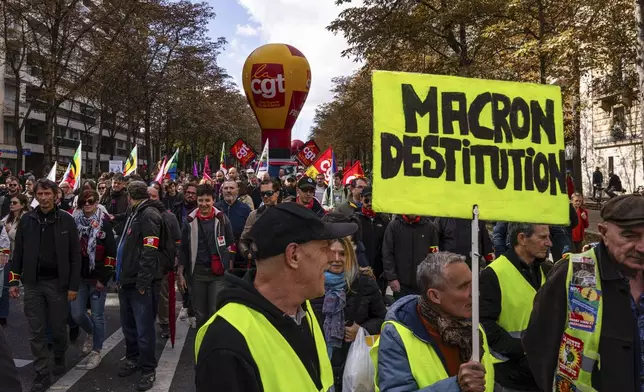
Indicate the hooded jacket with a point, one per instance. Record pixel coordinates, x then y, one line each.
190 239
405 246
225 353
394 372
139 265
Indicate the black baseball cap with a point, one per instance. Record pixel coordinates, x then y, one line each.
366 191
289 223
306 182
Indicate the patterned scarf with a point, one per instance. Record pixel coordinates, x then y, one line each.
454 332
89 227
333 309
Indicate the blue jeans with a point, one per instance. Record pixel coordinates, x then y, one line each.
137 321
94 325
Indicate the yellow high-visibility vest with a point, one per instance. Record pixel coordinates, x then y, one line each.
517 296
425 364
579 347
279 366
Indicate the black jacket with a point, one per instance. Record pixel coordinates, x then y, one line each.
140 256
169 201
105 256
9 378
365 307
225 353
177 210
515 373
619 342
455 235
68 254
372 235
405 246
117 203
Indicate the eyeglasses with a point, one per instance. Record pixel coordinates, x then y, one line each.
101 188
12 185
190 193
268 193
14 203
308 190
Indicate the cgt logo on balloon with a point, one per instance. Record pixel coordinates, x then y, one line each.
268 85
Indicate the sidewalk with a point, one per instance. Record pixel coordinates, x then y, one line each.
593 219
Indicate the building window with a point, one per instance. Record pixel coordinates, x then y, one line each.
610 165
9 133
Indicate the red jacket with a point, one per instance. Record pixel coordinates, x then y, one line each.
579 230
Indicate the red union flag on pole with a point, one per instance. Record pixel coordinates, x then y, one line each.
307 153
243 152
354 171
322 164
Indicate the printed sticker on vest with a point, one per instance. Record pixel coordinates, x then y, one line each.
570 354
562 384
584 305
583 271
221 241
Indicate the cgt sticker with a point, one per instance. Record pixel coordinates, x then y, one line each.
570 355
562 384
152 242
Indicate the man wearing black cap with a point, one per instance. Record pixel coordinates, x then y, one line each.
306 196
586 330
265 336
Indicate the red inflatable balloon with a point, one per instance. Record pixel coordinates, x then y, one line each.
296 145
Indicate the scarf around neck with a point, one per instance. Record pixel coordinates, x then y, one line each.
368 212
454 332
205 217
89 227
333 309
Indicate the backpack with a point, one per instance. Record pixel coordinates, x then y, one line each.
167 247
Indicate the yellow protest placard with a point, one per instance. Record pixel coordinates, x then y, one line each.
442 144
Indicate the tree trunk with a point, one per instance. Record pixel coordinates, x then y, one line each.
148 140
17 126
99 143
576 124
639 18
50 122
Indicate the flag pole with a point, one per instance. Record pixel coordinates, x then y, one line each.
475 285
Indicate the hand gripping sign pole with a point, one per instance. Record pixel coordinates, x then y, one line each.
476 355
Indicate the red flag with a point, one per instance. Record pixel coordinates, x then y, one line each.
307 153
354 171
206 167
322 164
243 152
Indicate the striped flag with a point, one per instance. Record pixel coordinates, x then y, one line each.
73 173
160 174
171 166
222 161
131 163
262 165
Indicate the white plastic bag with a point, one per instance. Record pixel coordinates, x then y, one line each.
358 370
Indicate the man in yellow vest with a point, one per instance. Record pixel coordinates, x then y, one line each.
508 286
426 340
265 336
586 331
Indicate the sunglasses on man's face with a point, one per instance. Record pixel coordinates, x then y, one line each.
367 200
101 188
12 185
268 193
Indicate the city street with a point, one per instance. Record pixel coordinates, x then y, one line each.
175 371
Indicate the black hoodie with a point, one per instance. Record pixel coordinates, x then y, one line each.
225 362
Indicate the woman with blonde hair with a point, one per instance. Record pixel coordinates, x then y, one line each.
352 300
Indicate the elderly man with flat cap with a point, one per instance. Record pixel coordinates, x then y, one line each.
265 336
586 330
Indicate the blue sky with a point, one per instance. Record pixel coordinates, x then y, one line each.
247 24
